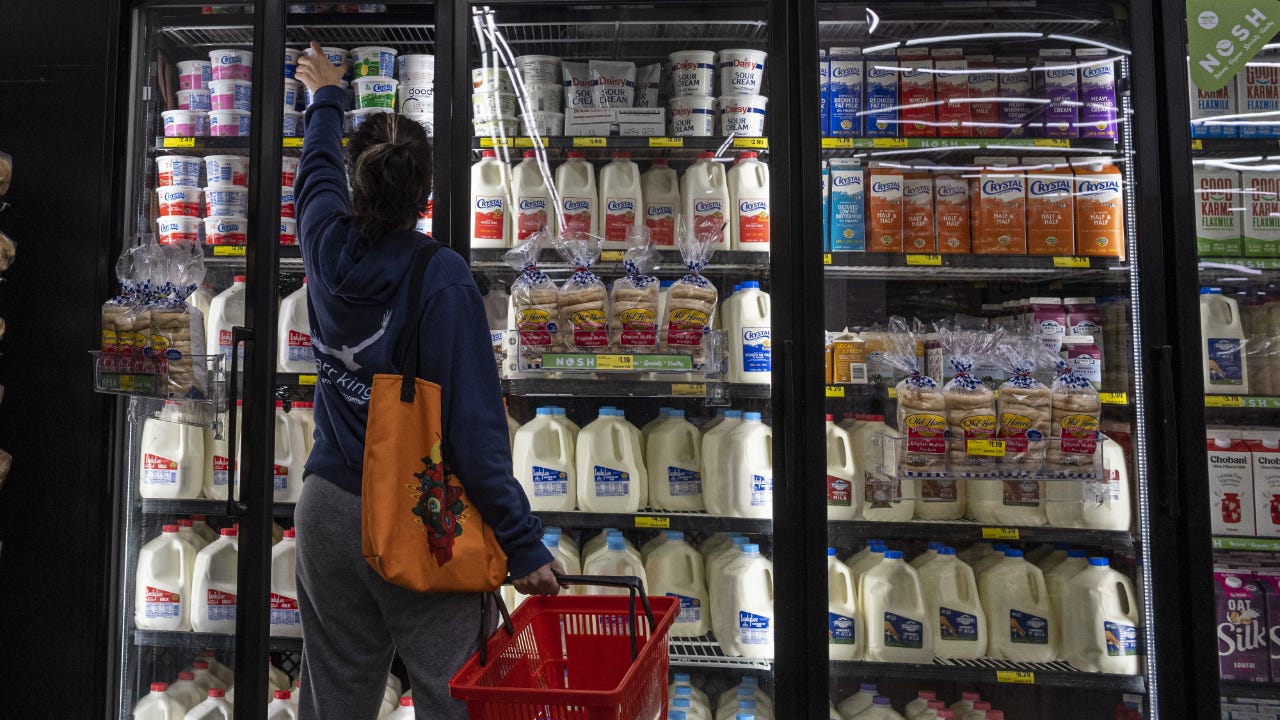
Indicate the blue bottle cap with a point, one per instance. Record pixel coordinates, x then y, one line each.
675 715
880 700
750 549
680 703
1099 562
934 546
867 687
1013 553
683 690
615 543
1076 554
750 681
548 411
681 677
948 551
675 534
733 414
892 554
752 417
676 413
831 552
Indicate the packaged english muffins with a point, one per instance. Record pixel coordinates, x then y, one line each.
971 405
584 319
1076 410
1024 406
534 300
922 406
633 302
692 302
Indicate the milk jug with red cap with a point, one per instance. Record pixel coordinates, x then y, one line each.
294 341
172 457
579 211
490 202
226 311
621 201
290 458
749 204
286 618
214 584
660 187
163 597
157 705
185 691
216 707
704 201
532 198
281 707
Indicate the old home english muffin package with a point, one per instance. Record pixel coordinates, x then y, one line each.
692 300
633 301
534 300
922 410
126 322
971 406
177 328
584 319
1074 423
1024 408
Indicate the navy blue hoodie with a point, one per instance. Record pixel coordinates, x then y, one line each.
358 302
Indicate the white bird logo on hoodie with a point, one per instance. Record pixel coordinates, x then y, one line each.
348 354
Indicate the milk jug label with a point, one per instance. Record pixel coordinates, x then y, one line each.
158 470
708 220
755 349
1225 361
957 625
161 603
684 481
690 608
839 492
577 214
222 606
939 491
660 218
284 610
612 483
756 629
1021 493
1122 640
1028 629
549 483
840 629
753 221
280 478
761 490
221 470
902 632
531 217
489 217
300 347
619 218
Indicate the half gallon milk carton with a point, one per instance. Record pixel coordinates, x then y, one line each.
1241 616
1002 203
951 85
531 198
847 225
884 210
917 213
1015 82
490 202
1218 223
915 88
881 97
1057 83
620 200
951 213
1099 210
576 185
846 92
1265 454
1050 208
660 187
824 92
1209 105
1261 212
1097 93
984 87
1259 90
1230 484
826 206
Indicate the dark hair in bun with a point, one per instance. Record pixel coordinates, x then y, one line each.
390 158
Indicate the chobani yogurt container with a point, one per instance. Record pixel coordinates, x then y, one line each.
357 117
377 91
417 98
224 123
194 74
178 170
231 94
288 231
226 231
291 56
227 169
492 106
226 201
416 69
292 94
177 228
179 200
198 99
373 61
292 124
185 123
289 169
288 208
231 64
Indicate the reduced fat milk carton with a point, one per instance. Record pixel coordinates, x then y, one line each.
1056 82
846 93
847 203
951 85
881 87
1015 82
917 213
915 87
1218 222
984 87
1097 93
1230 485
1002 203
824 87
1241 616
951 213
1266 487
1259 90
884 210
1207 106
826 206
1261 213
1050 208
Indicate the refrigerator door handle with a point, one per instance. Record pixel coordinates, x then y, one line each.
239 336
1162 357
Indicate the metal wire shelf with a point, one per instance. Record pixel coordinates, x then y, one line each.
704 651
410 33
628 40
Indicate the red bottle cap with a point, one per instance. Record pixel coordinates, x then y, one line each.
291 533
170 528
217 693
159 687
184 675
622 154
406 702
229 532
184 523
489 154
704 155
199 665
239 278
577 154
283 694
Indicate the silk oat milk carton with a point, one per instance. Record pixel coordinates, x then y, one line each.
1241 616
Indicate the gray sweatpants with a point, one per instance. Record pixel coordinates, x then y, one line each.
354 622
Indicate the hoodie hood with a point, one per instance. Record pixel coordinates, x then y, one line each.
369 274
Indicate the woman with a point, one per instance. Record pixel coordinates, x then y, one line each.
356 253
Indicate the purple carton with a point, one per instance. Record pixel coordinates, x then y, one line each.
1015 82
1270 581
1056 82
1242 639
1097 93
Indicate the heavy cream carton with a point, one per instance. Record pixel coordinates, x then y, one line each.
984 88
1266 486
1230 485
881 88
1219 222
916 90
847 87
848 201
1261 213
1050 206
1258 88
1209 106
1097 93
1056 81
1002 207
951 86
1016 107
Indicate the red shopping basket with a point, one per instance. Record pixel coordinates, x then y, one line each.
574 658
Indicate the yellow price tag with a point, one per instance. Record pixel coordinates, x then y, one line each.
826 258
1052 142
590 142
890 143
653 522
615 362
612 256
1197 144
689 389
486 142
1000 533
830 143
985 448
1016 677
751 143
228 250
306 379
666 142
528 142
1071 262
126 383
293 142
1114 398
835 391
929 260
1223 401
893 393
179 142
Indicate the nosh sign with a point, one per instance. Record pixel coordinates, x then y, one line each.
1224 35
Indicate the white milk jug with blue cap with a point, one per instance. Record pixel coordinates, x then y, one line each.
636 440
685 680
162 600
158 705
748 605
1056 580
844 636
610 471
899 628
675 570
664 413
543 456
213 587
932 552
959 623
698 706
1100 620
617 561
716 563
744 710
1101 504
603 547
1222 344
747 458
871 556
596 542
567 545
858 701
714 491
842 502
751 685
749 325
1019 615
674 461
685 705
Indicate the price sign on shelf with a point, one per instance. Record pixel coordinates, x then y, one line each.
1223 401
666 142
1016 677
924 260
1052 142
179 142
890 143
228 250
612 255
306 379
689 389
293 142
615 362
590 142
827 259
840 143
1071 262
1000 533
751 143
985 448
1113 398
653 522
835 391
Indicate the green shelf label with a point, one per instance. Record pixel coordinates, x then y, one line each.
624 363
1247 543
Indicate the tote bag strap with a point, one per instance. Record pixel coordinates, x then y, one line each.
407 348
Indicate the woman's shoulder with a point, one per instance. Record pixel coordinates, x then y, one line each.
448 267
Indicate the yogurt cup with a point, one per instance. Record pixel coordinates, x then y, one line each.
292 126
226 201
741 72
231 64
177 228
356 118
490 79
288 207
538 69
373 61
693 116
198 99
228 123
226 231
291 56
544 124
337 56
292 93
231 94
426 120
416 69
194 74
544 97
502 127
417 98
179 200
492 106
343 84
289 169
376 91
227 169
288 231
185 123
178 170
742 115
692 73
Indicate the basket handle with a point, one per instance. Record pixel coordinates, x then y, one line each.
488 601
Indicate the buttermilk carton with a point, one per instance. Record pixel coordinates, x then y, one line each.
1261 213
1056 82
884 210
984 88
1050 206
1258 88
1265 454
1218 221
1097 93
1230 485
1002 206
848 199
881 88
951 86
1207 106
847 88
1241 614
916 90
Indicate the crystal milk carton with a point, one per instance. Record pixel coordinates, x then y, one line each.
1230 485
984 87
951 213
1097 93
1056 82
1219 231
916 93
1261 213
824 92
881 83
1050 208
884 210
846 88
1099 201
1258 89
847 201
1002 205
1241 616
1209 105
1015 83
917 213
951 86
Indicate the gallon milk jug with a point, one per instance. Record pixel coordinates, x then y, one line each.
921 703
1008 502
158 705
543 456
531 198
704 201
684 680
899 627
751 685
664 413
576 186
675 570
290 458
747 457
286 618
858 701
226 311
716 579
952 594
215 707
1056 555
1099 607
185 692
1056 580
615 561
562 417
661 190
657 541
225 675
862 562
598 543
842 504
620 201
885 496
966 702
683 707
637 451
303 414
162 600
929 554
749 326
1222 344
1019 615
987 561
569 561
747 607
405 711
213 588
280 708
1102 504
202 528
674 461
843 634
699 707
880 709
714 492
172 459
217 450
749 204
294 343
204 679
609 469
490 202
